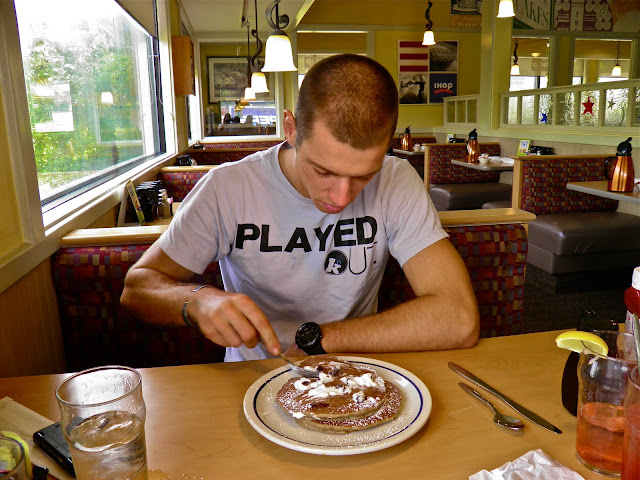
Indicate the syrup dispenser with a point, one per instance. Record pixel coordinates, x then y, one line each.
620 172
472 147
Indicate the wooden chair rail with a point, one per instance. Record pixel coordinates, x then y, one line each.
149 234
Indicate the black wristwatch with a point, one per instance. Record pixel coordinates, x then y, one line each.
309 337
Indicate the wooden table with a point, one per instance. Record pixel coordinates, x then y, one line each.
196 427
487 167
407 153
599 188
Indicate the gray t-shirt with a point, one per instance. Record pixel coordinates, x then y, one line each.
295 262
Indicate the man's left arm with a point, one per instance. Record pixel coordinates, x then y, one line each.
444 315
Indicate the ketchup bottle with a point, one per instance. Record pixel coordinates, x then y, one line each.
632 299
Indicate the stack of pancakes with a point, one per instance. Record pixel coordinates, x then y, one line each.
346 397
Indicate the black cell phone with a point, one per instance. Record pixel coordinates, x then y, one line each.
51 440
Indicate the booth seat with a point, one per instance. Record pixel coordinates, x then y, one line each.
573 232
89 270
178 181
453 187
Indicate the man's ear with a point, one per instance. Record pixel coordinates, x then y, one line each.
289 125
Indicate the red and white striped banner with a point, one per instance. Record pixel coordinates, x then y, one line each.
413 57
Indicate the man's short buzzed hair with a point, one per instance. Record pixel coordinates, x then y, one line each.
354 96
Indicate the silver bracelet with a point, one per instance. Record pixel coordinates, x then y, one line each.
185 315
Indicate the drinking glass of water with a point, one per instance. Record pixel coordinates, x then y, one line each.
103 415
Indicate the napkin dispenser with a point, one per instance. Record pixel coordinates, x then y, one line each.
472 147
619 169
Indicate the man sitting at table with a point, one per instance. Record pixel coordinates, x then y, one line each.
303 232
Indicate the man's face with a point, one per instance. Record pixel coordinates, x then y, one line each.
331 173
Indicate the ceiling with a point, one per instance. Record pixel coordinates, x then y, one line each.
221 19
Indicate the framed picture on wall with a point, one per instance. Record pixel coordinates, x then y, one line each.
227 78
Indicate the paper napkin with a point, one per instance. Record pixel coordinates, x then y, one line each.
532 465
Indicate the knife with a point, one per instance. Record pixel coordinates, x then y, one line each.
525 412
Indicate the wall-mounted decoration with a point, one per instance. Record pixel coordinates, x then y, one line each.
466 13
227 78
578 15
427 74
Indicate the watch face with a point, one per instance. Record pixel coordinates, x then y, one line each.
307 335
308 338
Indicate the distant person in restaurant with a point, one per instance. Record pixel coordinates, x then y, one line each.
303 231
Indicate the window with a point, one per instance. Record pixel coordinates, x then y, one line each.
90 81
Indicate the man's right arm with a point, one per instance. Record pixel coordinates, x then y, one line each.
156 289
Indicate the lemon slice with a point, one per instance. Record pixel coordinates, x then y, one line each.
576 341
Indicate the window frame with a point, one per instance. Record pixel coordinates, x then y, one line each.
41 231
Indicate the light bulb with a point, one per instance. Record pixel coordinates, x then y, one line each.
428 38
249 94
259 82
278 56
505 9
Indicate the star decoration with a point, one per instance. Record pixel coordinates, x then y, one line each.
611 104
588 106
543 119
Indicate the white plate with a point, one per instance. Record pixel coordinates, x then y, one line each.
272 422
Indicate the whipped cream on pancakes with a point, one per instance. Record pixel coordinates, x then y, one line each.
345 397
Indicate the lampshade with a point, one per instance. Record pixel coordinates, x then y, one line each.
259 82
617 70
515 69
505 9
278 54
428 38
106 98
249 94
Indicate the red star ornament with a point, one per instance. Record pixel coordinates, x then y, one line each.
588 106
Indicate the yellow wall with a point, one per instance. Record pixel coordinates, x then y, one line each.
425 117
421 118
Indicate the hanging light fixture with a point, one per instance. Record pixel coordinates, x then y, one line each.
515 68
505 9
249 93
258 79
278 54
428 33
617 70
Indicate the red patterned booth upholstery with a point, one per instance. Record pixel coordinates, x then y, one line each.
179 182
495 256
453 187
218 153
98 331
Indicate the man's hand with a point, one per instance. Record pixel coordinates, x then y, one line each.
156 288
231 320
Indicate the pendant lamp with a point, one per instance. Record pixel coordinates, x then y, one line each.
278 53
428 38
249 93
258 79
505 9
515 68
617 70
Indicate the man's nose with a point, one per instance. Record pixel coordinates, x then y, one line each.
341 192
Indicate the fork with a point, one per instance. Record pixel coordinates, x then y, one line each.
297 369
